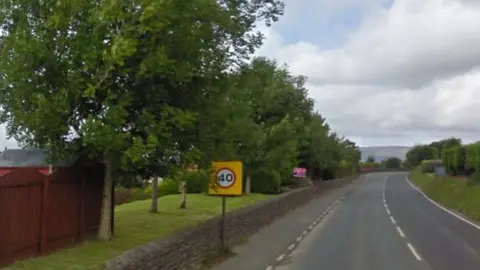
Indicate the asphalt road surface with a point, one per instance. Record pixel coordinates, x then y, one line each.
386 224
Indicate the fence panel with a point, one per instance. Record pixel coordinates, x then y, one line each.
21 194
63 209
40 214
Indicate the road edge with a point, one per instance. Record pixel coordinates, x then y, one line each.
449 211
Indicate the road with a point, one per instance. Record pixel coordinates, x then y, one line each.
386 224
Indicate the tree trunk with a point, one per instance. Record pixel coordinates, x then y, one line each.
154 206
183 203
248 185
105 230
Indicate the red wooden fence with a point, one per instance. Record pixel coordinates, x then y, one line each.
40 214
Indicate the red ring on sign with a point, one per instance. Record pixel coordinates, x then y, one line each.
234 177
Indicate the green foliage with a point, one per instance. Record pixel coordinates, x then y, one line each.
472 161
370 159
393 163
458 159
446 143
266 181
126 195
197 181
421 152
428 166
143 84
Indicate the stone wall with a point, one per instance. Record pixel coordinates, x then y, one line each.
187 249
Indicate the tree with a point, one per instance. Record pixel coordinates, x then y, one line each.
446 143
393 163
96 77
421 152
371 159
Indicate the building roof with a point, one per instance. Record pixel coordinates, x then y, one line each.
28 158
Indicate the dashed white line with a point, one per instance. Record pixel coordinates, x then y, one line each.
299 239
414 252
399 230
280 257
393 220
269 268
291 247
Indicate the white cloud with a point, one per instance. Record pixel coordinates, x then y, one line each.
408 75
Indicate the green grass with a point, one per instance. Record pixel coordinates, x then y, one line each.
454 193
135 226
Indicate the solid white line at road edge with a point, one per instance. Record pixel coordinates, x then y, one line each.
442 207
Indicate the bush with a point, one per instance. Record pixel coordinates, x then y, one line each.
266 181
166 187
197 181
126 195
428 166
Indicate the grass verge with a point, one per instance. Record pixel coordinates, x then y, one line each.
135 226
453 193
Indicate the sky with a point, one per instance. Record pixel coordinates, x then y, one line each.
383 72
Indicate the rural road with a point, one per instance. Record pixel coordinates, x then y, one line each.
384 223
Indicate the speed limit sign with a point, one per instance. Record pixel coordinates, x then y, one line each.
225 178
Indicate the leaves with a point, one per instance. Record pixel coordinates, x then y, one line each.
146 81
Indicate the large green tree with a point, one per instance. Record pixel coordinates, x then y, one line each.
102 77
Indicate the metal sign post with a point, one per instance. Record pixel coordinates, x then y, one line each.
226 181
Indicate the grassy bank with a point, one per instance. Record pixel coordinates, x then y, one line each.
135 226
453 192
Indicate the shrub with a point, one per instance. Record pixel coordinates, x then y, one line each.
428 166
197 181
126 195
166 187
266 181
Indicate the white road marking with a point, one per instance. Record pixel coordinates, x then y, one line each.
409 245
393 220
412 249
291 247
280 257
443 208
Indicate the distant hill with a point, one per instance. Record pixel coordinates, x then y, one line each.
383 152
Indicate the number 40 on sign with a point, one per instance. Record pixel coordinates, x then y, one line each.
227 178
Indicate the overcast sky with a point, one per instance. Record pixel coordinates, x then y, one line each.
384 72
